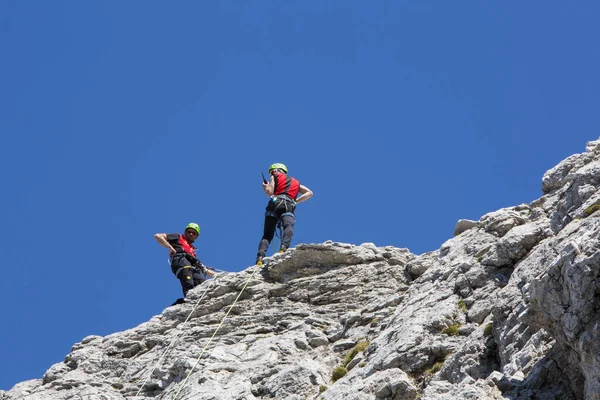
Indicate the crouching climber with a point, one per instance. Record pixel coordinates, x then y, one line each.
184 264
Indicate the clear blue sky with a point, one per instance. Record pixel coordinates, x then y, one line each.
121 119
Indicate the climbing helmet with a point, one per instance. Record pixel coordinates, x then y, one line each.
278 166
194 226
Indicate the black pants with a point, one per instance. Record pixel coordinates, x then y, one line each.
188 275
278 210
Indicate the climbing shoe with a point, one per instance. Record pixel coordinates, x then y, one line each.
259 261
282 250
178 301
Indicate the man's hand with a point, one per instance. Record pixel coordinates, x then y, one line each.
269 187
161 238
209 273
305 194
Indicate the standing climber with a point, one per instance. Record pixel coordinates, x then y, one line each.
184 264
283 191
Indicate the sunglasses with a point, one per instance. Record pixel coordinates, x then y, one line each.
192 233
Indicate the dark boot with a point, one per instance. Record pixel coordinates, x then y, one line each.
180 300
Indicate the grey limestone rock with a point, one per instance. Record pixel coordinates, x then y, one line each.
463 225
508 308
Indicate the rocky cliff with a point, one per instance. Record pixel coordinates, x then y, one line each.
506 309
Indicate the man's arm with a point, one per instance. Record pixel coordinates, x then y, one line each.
161 238
305 194
269 188
206 270
210 273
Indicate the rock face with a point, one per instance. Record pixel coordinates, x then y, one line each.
506 309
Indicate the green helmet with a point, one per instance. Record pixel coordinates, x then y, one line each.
278 166
194 226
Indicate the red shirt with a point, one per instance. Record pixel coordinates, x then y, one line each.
286 185
180 244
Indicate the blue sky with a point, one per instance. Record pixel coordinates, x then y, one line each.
123 119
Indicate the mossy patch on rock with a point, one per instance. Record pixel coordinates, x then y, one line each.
360 346
338 373
487 331
452 330
591 209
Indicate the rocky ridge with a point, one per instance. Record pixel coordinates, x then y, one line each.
506 309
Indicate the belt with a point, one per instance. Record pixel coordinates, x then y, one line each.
283 197
186 255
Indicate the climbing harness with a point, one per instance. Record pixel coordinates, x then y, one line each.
288 202
205 266
176 337
214 333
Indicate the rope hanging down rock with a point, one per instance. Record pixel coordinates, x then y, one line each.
215 332
180 328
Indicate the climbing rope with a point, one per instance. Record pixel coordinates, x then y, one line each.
176 337
207 267
216 269
215 332
279 233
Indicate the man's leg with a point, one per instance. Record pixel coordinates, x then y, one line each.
288 230
187 279
268 233
197 277
182 268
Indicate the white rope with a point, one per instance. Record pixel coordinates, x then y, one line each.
215 332
180 328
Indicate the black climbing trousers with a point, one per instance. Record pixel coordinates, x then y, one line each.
188 274
277 210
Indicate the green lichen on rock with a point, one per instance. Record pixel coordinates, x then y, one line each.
487 331
434 368
338 373
360 346
591 209
452 330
